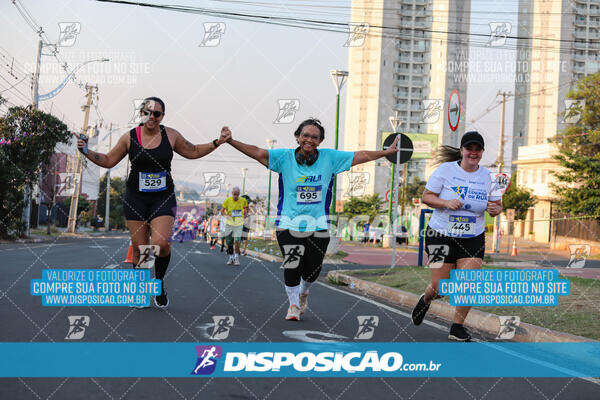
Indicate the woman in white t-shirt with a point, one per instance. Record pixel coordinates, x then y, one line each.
459 191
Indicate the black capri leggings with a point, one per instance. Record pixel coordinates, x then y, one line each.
303 254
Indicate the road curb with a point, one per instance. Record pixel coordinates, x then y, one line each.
478 320
264 256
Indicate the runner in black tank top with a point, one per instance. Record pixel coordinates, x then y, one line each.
149 202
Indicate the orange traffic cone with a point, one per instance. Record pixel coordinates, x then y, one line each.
514 248
129 258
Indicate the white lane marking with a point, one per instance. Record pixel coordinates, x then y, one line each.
256 259
443 328
302 336
112 266
98 247
199 252
433 324
34 247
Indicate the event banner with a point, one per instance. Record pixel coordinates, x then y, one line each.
292 359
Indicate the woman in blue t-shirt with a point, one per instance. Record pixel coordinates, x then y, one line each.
306 177
460 191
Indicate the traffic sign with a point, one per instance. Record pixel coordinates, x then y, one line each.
500 183
405 145
454 110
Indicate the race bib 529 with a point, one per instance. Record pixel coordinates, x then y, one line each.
153 181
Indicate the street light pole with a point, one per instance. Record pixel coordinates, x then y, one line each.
395 122
107 209
270 144
244 171
496 234
338 77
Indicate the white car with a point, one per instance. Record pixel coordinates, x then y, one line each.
377 234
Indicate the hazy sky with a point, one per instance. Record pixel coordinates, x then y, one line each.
236 83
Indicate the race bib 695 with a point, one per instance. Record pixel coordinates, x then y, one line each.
309 194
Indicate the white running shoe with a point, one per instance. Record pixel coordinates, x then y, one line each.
303 302
293 313
236 260
230 261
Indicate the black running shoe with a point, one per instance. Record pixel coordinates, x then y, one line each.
459 333
162 301
420 310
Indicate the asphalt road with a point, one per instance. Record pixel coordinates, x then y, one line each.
201 286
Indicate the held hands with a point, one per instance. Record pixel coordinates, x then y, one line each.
493 209
454 204
225 135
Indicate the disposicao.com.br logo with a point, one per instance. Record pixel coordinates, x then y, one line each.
317 363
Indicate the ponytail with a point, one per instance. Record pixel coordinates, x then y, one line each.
446 153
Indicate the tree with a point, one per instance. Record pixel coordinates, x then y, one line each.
117 194
578 187
518 198
414 190
366 205
27 140
82 204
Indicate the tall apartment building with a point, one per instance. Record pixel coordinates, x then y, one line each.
564 46
522 77
410 61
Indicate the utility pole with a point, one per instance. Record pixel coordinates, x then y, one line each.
34 103
107 209
79 166
244 172
36 76
53 201
500 162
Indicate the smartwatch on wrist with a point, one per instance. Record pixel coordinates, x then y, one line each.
215 143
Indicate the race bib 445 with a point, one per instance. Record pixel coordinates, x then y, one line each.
461 226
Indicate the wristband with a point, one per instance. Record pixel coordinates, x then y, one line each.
215 143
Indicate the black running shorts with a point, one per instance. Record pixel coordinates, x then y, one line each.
451 249
303 254
147 206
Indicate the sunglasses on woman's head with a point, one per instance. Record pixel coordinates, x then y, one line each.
156 114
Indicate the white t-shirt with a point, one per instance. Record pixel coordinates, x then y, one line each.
450 181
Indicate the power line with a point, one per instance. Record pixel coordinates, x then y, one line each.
332 26
4 90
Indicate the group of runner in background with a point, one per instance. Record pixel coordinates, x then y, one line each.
230 227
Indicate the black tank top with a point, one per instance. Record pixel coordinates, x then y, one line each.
150 168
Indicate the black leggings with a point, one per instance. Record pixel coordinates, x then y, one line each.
303 254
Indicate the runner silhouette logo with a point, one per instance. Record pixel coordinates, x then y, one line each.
437 254
579 253
223 324
508 327
77 326
366 326
207 359
293 255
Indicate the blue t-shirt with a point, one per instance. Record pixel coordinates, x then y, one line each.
305 191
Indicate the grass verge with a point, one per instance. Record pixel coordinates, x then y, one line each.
577 313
